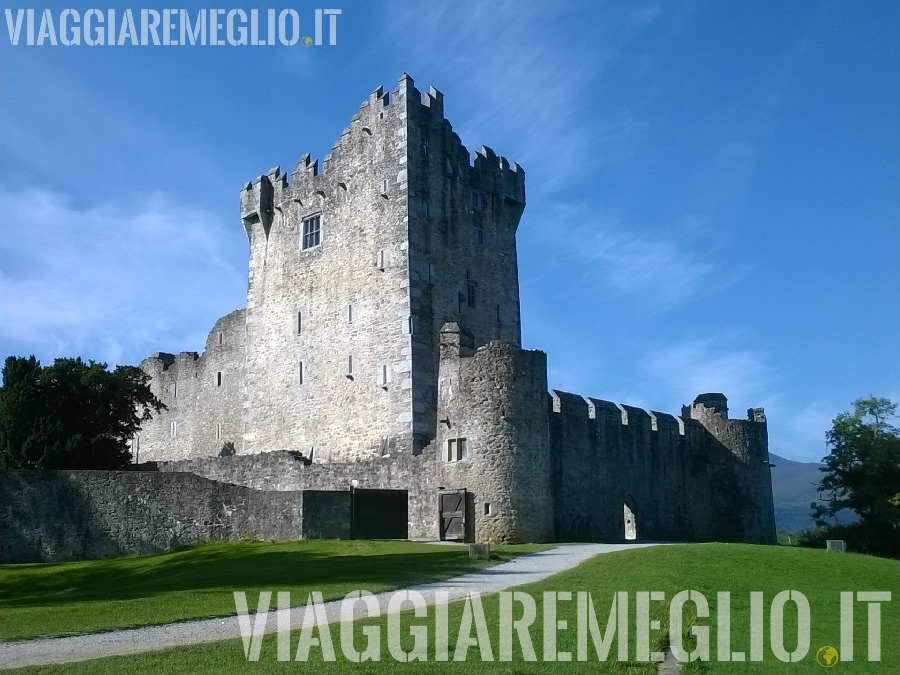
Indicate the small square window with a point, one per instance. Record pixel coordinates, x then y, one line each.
486 508
457 449
312 232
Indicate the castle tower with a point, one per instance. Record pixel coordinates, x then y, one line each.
742 481
354 270
493 437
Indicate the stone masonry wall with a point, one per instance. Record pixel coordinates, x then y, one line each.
286 471
695 477
607 456
463 217
204 396
71 515
495 398
741 477
329 360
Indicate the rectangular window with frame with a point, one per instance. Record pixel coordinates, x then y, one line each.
457 449
312 232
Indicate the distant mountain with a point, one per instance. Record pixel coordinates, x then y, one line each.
793 488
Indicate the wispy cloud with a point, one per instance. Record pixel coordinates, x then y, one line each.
602 256
121 279
687 368
528 84
680 371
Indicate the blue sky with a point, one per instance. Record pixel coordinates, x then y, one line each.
712 186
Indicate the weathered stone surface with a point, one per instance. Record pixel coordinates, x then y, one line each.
480 551
70 515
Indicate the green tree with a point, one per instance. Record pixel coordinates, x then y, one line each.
862 474
72 414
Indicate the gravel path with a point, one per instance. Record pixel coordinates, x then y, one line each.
520 570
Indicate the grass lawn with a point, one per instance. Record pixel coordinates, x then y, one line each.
195 582
707 568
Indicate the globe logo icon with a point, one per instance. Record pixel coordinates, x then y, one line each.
307 41
827 657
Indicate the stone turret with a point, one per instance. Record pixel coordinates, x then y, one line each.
743 490
496 399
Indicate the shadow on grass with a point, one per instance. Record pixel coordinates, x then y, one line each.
225 567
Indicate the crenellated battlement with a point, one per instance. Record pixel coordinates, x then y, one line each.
601 411
382 125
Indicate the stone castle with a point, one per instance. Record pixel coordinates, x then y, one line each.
380 350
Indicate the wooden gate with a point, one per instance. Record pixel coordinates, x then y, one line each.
452 511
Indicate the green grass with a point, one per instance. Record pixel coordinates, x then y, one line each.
195 582
707 568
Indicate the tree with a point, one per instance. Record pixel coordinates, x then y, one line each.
72 414
862 474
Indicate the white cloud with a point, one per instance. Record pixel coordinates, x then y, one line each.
685 369
680 371
112 281
605 256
